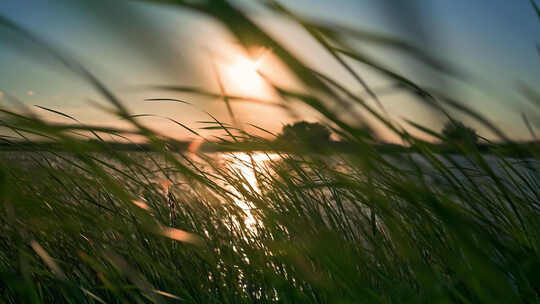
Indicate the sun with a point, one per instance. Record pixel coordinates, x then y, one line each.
242 73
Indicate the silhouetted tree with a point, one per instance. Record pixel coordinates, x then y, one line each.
306 132
456 131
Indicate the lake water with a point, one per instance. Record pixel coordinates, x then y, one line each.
245 167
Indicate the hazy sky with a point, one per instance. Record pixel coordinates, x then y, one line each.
494 41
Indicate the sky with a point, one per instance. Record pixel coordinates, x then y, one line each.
492 41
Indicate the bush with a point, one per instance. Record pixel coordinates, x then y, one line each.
457 132
306 132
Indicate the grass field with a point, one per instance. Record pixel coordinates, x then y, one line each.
90 224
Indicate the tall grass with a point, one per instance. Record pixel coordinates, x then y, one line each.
91 224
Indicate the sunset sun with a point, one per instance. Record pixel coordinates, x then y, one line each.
243 73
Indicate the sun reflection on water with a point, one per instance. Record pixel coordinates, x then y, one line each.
247 165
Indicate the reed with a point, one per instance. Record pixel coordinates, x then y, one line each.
88 223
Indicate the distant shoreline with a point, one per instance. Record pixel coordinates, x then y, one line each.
520 149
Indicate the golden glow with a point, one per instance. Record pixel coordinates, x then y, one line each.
180 235
141 204
195 145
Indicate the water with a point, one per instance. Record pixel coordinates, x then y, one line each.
245 169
